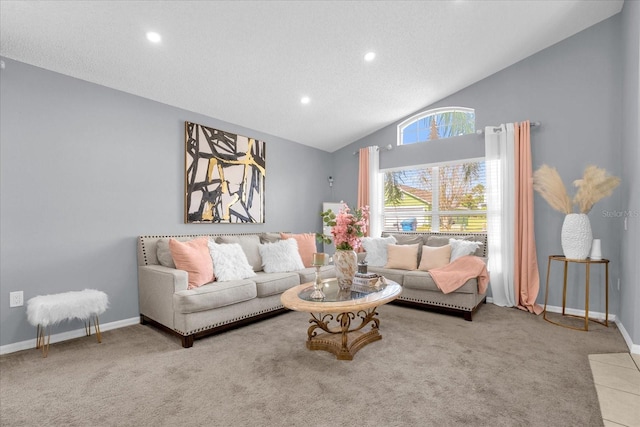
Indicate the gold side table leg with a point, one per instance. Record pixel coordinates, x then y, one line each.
586 298
606 315
564 288
546 294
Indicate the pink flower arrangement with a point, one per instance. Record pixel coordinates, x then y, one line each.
347 228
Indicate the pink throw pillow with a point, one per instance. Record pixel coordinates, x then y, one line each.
402 257
194 258
434 257
306 246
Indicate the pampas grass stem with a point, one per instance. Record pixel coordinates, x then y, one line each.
594 185
548 183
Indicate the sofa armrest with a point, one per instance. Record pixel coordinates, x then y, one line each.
156 286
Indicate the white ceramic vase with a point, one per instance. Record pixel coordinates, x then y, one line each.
346 263
576 236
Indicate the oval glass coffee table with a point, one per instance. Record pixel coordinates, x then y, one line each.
335 313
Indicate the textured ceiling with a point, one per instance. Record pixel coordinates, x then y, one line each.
250 62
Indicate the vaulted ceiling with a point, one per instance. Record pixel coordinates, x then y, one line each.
251 62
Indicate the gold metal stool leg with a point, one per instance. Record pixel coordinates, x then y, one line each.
97 328
40 340
96 325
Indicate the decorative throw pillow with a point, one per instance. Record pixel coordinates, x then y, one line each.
444 240
407 239
193 257
249 244
376 248
280 257
460 248
434 257
230 262
306 246
403 257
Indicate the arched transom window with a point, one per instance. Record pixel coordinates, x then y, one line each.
435 124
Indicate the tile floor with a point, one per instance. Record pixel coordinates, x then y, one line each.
617 379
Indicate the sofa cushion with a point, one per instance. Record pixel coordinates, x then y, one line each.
403 239
306 246
229 262
403 257
389 273
460 248
444 240
269 237
434 257
422 280
214 295
268 284
281 256
194 258
376 248
250 244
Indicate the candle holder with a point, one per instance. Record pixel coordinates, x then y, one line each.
319 259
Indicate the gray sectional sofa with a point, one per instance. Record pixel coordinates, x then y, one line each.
419 289
166 302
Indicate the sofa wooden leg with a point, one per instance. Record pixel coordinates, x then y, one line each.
467 316
187 341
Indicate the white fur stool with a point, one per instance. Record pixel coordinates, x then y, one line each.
46 310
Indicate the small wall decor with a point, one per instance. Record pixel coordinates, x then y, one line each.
224 178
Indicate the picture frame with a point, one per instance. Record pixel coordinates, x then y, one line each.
224 177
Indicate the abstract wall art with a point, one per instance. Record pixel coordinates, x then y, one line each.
224 178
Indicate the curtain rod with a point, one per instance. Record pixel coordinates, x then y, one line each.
496 129
389 147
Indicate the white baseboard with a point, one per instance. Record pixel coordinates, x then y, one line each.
633 348
26 345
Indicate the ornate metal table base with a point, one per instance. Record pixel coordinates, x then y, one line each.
341 339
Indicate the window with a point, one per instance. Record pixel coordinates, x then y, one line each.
443 197
435 124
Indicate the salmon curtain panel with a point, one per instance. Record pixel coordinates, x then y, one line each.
526 275
513 263
370 188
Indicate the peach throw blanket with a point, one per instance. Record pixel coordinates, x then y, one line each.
455 274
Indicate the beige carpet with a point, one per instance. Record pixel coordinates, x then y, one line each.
505 368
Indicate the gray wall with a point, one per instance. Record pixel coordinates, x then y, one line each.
630 274
574 89
86 169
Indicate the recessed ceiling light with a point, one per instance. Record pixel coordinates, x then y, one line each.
305 99
370 56
153 37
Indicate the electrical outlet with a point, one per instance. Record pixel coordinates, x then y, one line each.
16 299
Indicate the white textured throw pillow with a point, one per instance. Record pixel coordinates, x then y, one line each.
460 248
229 262
376 248
280 257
